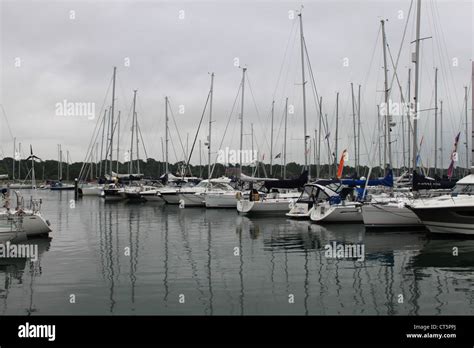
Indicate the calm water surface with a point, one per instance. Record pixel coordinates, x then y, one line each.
119 258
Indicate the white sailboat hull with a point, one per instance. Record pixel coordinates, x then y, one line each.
221 200
191 199
267 206
337 213
389 215
300 211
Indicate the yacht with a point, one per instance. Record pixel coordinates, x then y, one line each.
451 213
273 203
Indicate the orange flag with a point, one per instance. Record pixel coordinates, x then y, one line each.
341 164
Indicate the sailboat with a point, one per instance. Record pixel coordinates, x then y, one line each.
452 213
31 221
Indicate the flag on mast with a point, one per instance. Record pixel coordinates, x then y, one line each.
454 156
341 164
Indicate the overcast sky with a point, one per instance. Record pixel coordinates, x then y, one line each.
166 48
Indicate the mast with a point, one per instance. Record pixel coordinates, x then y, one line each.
271 140
409 121
166 135
118 140
354 127
417 76
318 167
138 148
58 164
251 137
467 126
67 165
472 118
387 107
130 164
242 119
379 137
102 143
441 135
436 122
284 143
337 132
200 159
210 127
358 130
303 83
14 156
112 121
19 161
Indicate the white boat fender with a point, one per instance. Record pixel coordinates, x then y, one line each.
181 203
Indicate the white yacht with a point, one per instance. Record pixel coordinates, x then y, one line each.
453 213
273 203
196 196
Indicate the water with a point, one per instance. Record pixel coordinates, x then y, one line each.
119 258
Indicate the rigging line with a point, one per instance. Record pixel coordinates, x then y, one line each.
371 59
96 129
256 109
401 42
176 126
174 150
443 43
310 68
197 132
143 143
227 125
6 119
284 59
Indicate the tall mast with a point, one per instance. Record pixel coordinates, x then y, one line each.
318 167
112 121
271 140
102 143
303 83
251 137
354 127
467 126
472 119
379 137
118 141
200 159
137 138
358 130
284 146
441 135
130 164
337 132
67 165
166 135
387 107
417 77
409 120
242 119
14 157
210 127
436 122
19 161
